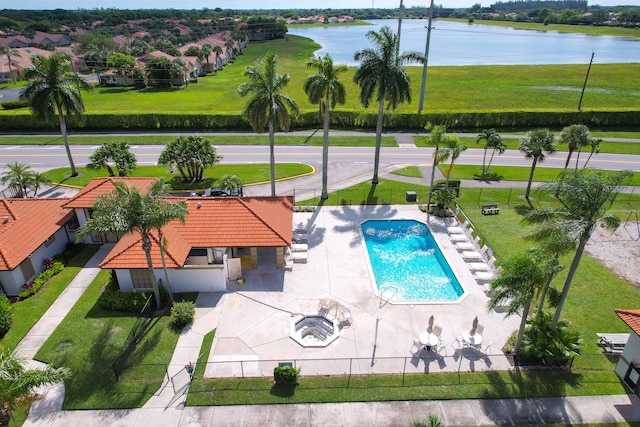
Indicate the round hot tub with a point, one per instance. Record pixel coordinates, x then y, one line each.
313 330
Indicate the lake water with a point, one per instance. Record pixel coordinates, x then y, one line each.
454 43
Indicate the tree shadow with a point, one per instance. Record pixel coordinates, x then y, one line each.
352 218
176 183
283 391
488 176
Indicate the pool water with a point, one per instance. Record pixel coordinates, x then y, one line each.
407 263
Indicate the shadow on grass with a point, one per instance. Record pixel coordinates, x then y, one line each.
177 185
489 176
283 391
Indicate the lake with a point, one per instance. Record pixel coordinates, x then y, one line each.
454 43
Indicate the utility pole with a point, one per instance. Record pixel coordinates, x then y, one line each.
426 59
399 28
584 86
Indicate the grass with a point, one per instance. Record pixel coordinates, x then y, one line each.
603 30
26 313
387 192
410 171
238 139
88 340
454 88
248 174
512 173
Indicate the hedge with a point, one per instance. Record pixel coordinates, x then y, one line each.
339 119
6 319
31 288
18 103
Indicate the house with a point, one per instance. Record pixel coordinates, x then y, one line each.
82 203
14 42
54 40
182 79
628 366
221 236
19 62
31 230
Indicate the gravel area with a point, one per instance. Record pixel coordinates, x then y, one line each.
619 251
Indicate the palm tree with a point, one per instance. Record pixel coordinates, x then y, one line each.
126 210
325 88
115 153
594 143
17 382
268 107
8 52
38 179
18 177
435 138
381 73
585 196
452 148
576 137
534 146
491 140
231 184
53 90
516 285
205 51
229 48
218 51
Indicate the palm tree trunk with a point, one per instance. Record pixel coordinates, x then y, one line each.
484 159
63 130
325 149
566 163
493 153
164 265
376 159
567 282
543 293
13 78
533 168
578 157
446 184
272 157
433 173
523 324
146 247
588 158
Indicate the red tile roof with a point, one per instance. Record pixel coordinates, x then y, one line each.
631 318
86 198
25 224
214 222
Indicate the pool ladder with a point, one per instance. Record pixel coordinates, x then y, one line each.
382 295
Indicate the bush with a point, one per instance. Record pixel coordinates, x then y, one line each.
5 315
30 288
112 298
12 105
183 313
285 375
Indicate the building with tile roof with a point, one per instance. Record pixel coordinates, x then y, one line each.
30 231
220 237
628 366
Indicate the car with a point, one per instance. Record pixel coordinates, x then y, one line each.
216 192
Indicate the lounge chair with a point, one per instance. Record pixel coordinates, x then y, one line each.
465 246
472 255
455 230
458 237
479 266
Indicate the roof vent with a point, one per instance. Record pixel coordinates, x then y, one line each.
199 205
6 218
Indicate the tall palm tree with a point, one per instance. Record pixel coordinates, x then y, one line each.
8 52
594 144
535 146
127 210
491 140
218 51
585 197
17 382
17 177
269 106
435 138
576 137
516 285
325 88
229 48
205 51
38 179
53 90
381 73
452 148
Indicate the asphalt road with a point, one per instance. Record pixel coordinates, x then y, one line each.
54 156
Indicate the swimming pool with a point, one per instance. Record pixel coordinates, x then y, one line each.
407 263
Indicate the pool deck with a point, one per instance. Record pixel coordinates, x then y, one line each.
253 319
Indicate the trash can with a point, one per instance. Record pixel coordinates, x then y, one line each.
411 196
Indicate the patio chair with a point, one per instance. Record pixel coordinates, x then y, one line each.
419 347
479 329
437 331
458 343
486 348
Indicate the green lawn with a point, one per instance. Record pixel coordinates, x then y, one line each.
26 313
453 88
410 171
248 174
238 139
89 339
387 192
601 30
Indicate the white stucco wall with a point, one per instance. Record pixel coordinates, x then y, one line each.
82 220
12 281
210 278
631 354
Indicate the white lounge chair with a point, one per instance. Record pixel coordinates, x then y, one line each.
458 237
455 230
472 255
479 266
465 246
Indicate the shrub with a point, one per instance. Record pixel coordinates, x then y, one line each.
112 298
286 375
30 288
12 105
71 250
183 313
5 315
47 263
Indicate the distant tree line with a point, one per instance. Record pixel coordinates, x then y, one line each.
518 5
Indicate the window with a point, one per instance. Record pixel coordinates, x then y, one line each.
141 279
633 377
50 240
27 269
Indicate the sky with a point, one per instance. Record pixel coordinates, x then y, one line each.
251 4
